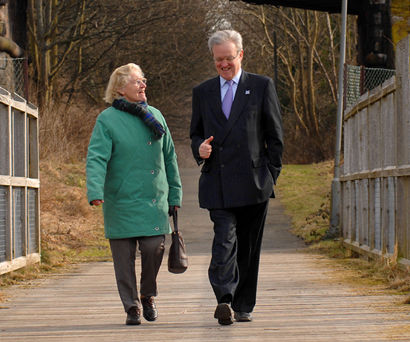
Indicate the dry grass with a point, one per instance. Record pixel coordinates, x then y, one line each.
371 274
70 226
370 277
65 130
305 192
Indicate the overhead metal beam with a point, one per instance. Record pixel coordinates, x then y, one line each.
331 6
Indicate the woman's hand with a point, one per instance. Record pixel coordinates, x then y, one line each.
96 202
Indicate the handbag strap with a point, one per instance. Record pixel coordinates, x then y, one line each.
175 219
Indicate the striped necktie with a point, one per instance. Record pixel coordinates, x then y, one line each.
228 99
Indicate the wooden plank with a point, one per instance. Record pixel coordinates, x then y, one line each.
347 148
403 217
32 110
378 215
4 140
352 200
363 143
372 223
401 171
403 101
357 207
301 297
32 150
300 305
391 185
15 264
384 214
364 212
354 166
345 186
388 122
368 99
376 138
19 181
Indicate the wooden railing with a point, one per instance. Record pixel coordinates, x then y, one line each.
19 183
375 180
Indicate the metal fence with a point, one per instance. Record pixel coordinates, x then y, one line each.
12 74
19 183
359 79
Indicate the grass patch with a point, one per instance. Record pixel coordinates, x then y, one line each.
72 230
304 190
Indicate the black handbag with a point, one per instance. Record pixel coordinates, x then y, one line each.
177 257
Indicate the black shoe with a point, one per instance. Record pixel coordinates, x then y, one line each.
133 316
223 314
242 316
149 309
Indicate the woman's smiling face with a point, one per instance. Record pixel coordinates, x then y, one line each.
134 90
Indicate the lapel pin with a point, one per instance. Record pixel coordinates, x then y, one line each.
247 92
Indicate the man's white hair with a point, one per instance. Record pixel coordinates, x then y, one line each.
223 36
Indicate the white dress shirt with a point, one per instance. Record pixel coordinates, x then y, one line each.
225 86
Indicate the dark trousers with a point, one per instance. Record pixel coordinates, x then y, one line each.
233 271
123 254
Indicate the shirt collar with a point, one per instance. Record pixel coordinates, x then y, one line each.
236 78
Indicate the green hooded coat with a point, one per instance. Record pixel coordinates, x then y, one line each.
135 174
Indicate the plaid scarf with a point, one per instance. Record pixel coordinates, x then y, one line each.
141 110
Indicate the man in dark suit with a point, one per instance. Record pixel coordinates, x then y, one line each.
236 133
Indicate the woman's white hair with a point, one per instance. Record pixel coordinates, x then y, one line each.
223 36
118 80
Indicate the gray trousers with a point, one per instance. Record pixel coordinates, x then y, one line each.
123 254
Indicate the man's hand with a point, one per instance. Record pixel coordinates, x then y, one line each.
96 202
205 148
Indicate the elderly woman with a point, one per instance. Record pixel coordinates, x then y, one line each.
132 169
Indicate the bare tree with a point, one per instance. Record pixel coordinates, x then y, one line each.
307 71
50 42
76 44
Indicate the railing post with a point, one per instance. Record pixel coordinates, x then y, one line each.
334 229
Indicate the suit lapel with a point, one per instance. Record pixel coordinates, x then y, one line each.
238 105
214 93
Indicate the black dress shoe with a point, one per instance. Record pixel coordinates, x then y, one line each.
223 314
242 316
149 309
133 316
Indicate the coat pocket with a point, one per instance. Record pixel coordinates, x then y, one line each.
206 167
259 162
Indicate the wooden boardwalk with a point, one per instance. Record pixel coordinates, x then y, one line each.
298 298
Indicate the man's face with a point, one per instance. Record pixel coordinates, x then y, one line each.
228 59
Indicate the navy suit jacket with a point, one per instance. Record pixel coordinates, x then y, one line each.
246 156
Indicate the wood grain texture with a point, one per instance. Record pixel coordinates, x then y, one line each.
298 297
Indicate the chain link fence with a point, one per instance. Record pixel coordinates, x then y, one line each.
360 79
12 74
